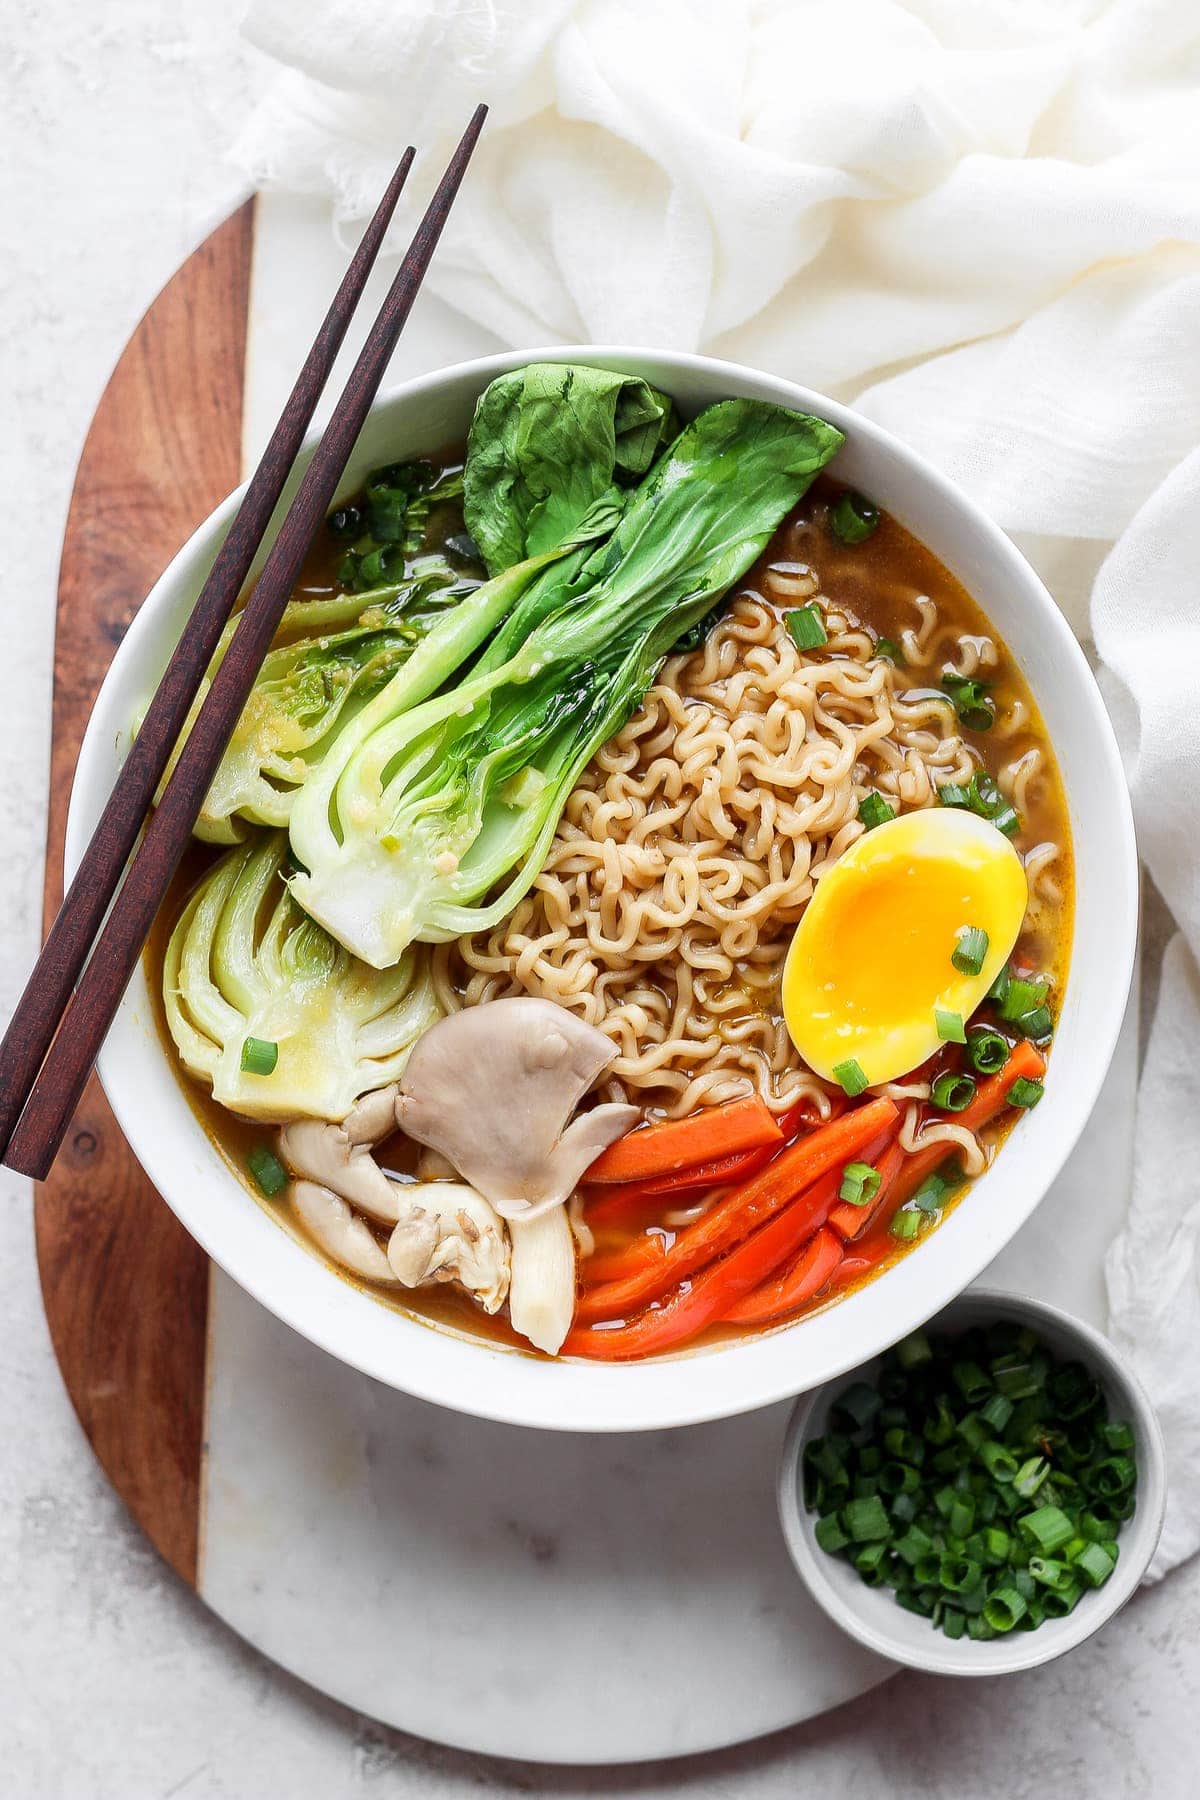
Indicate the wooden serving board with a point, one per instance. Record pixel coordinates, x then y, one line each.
125 1287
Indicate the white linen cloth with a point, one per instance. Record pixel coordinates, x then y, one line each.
979 220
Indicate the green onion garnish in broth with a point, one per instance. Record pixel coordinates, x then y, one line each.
874 810
953 1092
987 1050
806 627
853 517
970 700
1024 1093
267 1170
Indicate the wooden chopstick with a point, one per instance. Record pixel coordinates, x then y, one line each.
82 1025
33 1024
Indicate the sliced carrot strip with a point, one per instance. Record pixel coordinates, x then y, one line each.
805 1276
663 1149
697 1303
734 1217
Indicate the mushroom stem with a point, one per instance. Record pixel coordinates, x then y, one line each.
339 1233
541 1294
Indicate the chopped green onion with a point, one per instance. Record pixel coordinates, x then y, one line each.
1030 1476
865 1520
987 1050
931 1195
259 1056
806 626
1097 1562
999 988
914 1350
1025 1093
829 1534
905 1225
951 793
861 1402
898 1480
1036 1023
977 1477
982 796
1004 1608
869 1562
1049 1526
901 1443
874 810
1058 1602
958 1574
267 1170
889 651
996 1411
850 1077
860 1184
953 1093
1113 1476
853 517
971 701
949 1026
970 951
997 1460
972 1382
1020 997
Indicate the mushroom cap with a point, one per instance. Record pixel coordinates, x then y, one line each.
493 1089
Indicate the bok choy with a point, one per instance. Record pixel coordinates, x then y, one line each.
547 442
278 1019
432 820
330 657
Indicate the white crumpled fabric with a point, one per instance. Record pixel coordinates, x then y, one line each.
979 219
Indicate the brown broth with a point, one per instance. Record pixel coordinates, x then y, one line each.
875 585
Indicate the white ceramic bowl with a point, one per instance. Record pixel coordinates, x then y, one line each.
871 1614
457 1371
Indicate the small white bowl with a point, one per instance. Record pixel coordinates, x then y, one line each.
494 1381
871 1614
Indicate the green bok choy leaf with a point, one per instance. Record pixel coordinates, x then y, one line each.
244 963
438 818
546 443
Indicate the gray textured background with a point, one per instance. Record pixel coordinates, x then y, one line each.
114 1681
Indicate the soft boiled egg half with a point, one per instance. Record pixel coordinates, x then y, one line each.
872 963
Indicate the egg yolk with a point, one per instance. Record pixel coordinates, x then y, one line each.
871 961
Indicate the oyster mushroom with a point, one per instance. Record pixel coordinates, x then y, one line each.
340 1233
338 1157
443 1230
448 1232
541 1297
493 1088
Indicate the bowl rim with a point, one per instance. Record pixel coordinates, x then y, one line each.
1029 1650
665 1392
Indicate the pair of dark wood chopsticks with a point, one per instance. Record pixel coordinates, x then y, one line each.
58 1027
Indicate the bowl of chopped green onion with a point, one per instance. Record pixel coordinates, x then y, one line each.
982 1497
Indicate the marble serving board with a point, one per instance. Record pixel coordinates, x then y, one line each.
566 1597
